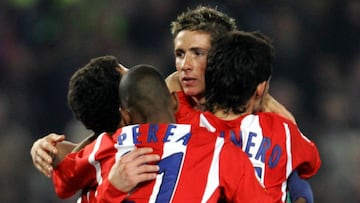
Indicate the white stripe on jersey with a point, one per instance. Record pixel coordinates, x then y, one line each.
94 162
205 123
127 144
288 161
251 123
213 176
170 148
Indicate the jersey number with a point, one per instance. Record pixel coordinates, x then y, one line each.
169 169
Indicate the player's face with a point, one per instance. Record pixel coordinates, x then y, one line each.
191 49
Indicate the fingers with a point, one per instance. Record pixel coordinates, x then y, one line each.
126 176
50 141
143 177
42 150
41 160
141 164
139 152
138 161
44 168
134 168
147 172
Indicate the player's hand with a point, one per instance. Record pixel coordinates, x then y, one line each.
134 168
271 105
42 152
300 200
172 82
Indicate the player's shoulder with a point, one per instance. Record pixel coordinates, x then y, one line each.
276 122
274 118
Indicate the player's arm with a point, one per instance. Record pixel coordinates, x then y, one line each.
75 172
305 154
66 147
306 162
46 149
299 189
85 142
63 148
133 168
270 104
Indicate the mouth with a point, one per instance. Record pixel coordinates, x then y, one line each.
188 80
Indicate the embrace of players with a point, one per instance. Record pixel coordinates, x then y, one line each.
210 132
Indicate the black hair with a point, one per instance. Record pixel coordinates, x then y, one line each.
93 94
236 64
144 90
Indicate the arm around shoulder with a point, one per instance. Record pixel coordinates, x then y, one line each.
270 104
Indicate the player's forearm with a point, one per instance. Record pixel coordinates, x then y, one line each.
300 189
270 104
85 142
64 148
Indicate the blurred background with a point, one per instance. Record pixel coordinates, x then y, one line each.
42 42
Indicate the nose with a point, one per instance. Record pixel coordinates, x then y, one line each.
186 63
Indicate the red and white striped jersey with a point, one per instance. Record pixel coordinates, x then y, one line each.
195 166
274 145
81 171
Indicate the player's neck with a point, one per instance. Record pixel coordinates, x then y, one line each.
231 115
162 117
222 114
198 103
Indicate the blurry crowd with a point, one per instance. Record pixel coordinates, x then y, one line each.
42 42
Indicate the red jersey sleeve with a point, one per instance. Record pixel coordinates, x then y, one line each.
107 193
305 155
73 174
84 170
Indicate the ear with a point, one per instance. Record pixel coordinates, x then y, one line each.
122 122
175 101
125 116
261 89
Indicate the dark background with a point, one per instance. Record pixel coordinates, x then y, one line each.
42 42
